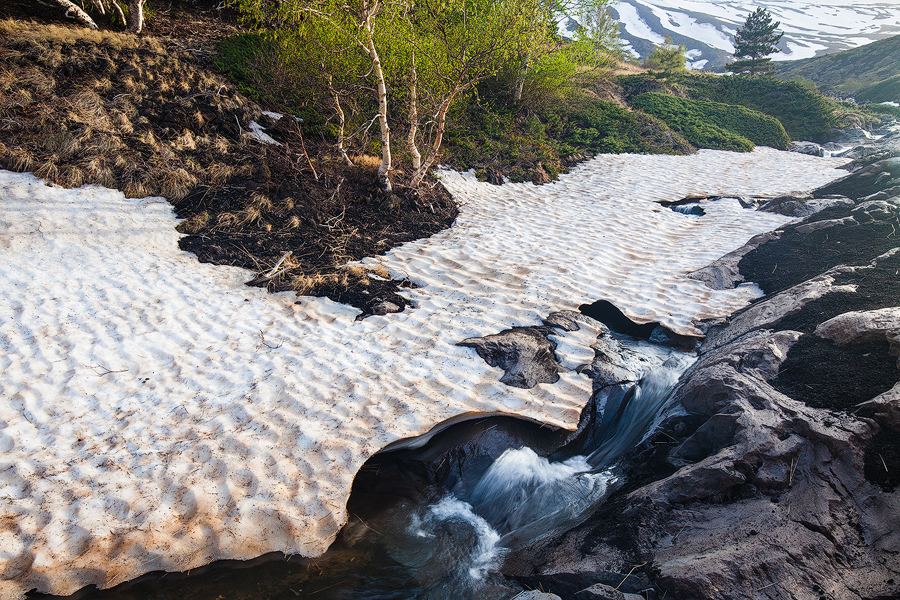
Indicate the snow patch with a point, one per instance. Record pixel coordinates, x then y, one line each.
156 404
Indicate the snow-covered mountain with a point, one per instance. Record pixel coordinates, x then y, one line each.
707 28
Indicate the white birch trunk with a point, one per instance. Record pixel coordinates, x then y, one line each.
135 16
341 121
413 119
440 125
385 167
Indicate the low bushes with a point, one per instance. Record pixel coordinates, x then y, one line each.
687 118
715 125
804 113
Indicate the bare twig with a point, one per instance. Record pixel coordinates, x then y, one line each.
770 585
629 574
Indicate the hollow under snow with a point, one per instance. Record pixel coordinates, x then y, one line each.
155 413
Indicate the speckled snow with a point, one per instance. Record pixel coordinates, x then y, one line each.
155 413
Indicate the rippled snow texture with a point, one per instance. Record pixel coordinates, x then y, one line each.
155 413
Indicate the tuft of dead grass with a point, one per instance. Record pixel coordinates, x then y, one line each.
367 162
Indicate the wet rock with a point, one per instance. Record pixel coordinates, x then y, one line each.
599 591
809 148
861 151
803 206
568 320
525 354
385 308
610 315
536 595
855 327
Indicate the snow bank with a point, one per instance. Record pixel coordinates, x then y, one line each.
155 413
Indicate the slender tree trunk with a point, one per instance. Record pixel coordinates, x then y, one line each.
520 80
440 125
385 167
74 11
119 10
413 119
341 121
135 16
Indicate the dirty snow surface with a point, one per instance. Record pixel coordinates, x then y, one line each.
155 413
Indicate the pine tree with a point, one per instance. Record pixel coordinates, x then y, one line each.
754 42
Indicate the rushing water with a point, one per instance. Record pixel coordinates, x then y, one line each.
436 520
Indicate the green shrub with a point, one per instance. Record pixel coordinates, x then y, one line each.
696 121
804 113
606 127
887 90
677 112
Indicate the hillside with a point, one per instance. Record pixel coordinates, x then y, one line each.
707 28
860 72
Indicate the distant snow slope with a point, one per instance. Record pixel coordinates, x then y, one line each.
707 28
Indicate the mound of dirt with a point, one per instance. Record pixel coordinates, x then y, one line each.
152 117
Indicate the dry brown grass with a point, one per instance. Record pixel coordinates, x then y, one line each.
42 32
367 162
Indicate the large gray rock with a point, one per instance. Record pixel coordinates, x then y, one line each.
803 206
864 182
723 274
536 595
809 148
525 354
867 326
884 408
772 310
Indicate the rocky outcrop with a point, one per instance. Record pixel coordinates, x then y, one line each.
746 490
853 327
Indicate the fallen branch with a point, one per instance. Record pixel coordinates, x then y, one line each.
73 11
273 273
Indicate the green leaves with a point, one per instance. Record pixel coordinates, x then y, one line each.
754 42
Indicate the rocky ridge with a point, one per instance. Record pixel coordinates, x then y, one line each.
776 474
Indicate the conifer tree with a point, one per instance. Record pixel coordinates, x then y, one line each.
754 42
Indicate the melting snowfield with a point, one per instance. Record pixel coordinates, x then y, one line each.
155 413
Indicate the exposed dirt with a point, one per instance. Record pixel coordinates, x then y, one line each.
824 375
150 115
796 257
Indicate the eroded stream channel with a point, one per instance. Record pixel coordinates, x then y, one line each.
435 517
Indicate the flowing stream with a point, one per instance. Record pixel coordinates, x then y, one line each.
435 520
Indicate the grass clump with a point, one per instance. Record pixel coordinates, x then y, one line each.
694 121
